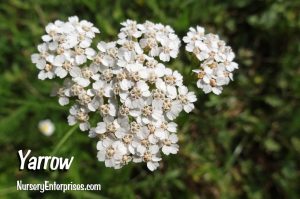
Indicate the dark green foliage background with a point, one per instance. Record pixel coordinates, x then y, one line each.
244 143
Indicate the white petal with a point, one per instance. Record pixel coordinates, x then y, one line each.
164 57
216 90
42 75
160 133
46 38
60 72
188 108
101 128
152 165
71 120
172 127
84 126
90 52
80 59
63 101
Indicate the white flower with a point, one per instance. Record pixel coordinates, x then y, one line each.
129 31
88 28
81 54
151 43
79 115
52 31
84 75
63 92
111 152
65 66
152 157
169 83
186 98
135 98
47 72
143 140
44 62
206 82
192 36
153 74
100 90
71 40
170 47
129 46
46 127
40 59
169 144
172 108
107 55
163 128
85 100
109 125
147 112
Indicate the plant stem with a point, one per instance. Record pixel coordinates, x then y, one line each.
64 139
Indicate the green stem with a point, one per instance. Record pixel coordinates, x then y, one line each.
64 139
237 151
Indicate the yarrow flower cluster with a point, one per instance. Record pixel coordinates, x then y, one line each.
216 59
123 82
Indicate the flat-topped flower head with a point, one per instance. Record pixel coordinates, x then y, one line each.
216 59
122 82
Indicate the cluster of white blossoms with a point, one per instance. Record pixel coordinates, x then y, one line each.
216 60
66 46
135 96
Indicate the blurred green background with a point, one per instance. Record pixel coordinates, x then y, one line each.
244 143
